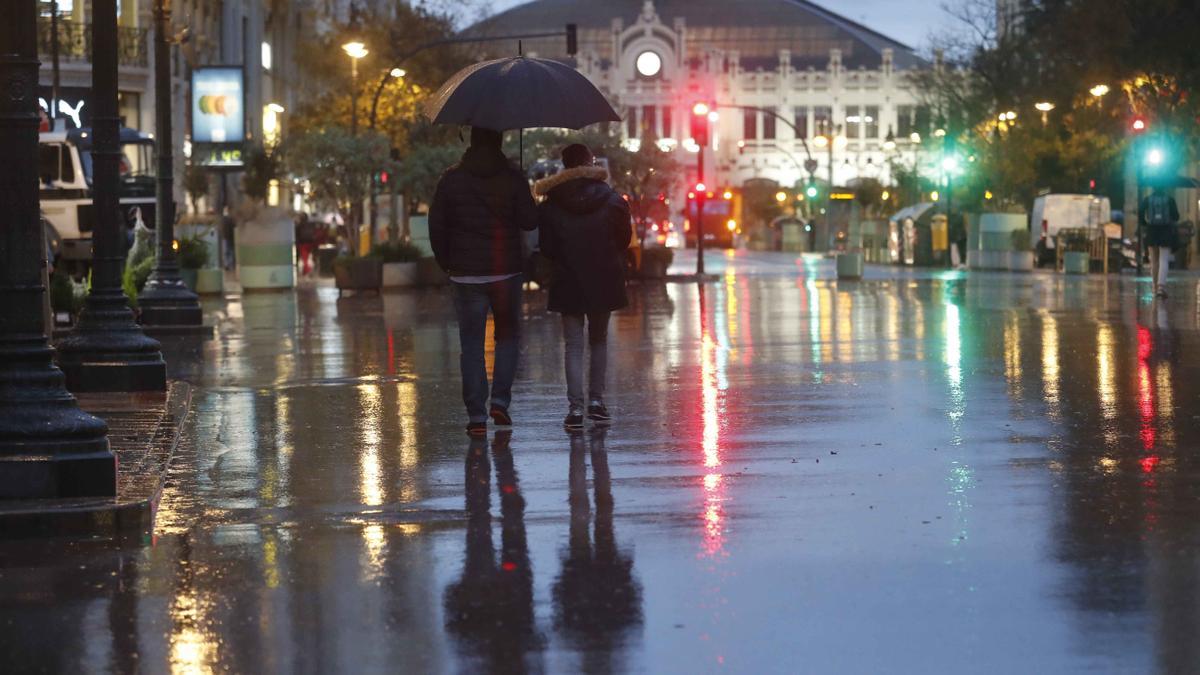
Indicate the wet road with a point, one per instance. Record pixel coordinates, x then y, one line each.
913 473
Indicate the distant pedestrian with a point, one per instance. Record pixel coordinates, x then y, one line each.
585 227
480 207
1160 218
228 238
306 237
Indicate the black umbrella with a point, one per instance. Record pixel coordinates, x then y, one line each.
520 93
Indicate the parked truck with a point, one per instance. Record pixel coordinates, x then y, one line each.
65 171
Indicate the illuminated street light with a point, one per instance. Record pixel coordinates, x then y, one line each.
1154 157
950 164
914 137
398 73
728 195
781 196
355 50
1044 107
939 133
1098 90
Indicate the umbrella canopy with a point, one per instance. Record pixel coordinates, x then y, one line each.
519 93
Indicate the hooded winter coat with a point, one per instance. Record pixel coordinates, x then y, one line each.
583 229
479 209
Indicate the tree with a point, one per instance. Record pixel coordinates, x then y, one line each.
1054 52
339 166
388 38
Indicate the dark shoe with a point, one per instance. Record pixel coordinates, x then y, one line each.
1162 292
477 428
500 417
574 419
598 413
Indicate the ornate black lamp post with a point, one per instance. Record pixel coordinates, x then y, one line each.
108 351
48 446
166 300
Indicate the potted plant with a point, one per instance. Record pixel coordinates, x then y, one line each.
339 166
399 263
1074 242
655 262
1020 258
193 255
266 236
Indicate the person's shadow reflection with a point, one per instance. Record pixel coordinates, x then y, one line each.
597 600
490 609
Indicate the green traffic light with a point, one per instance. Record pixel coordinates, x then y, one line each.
811 191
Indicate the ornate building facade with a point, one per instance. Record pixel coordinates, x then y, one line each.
792 82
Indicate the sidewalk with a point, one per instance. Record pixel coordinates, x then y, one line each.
143 431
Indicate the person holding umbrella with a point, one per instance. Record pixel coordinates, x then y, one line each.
584 227
480 208
480 205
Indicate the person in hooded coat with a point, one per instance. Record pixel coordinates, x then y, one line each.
584 228
480 208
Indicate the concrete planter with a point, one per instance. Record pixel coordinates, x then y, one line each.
1020 261
210 281
995 230
189 277
399 275
1076 262
358 274
265 248
991 260
850 265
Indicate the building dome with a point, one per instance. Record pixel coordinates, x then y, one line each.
757 30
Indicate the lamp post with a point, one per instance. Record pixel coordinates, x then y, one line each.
107 350
166 300
1044 107
355 50
48 446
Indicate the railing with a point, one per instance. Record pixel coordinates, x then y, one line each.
75 43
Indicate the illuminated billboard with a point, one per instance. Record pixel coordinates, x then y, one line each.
218 105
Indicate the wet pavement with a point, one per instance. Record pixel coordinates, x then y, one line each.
917 472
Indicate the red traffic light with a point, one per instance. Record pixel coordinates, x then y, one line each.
1138 124
700 123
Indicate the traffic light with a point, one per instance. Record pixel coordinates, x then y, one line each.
1138 124
811 191
572 40
700 123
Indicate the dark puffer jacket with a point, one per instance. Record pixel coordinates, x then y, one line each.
479 209
584 228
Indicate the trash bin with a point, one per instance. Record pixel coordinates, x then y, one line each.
325 256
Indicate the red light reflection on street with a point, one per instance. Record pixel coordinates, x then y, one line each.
1145 389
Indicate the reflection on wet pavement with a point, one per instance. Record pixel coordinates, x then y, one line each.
919 472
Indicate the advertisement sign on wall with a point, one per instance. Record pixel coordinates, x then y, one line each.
218 107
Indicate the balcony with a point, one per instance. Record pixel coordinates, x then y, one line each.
75 43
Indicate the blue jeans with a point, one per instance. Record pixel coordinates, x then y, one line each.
472 303
597 338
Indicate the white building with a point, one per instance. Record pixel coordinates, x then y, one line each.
842 86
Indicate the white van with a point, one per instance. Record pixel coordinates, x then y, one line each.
1054 212
65 176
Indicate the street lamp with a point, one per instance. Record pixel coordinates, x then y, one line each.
355 50
1044 107
397 73
1099 90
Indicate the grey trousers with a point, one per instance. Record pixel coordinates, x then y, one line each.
597 330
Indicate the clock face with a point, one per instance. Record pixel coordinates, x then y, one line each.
649 64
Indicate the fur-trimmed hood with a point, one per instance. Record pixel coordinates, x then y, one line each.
544 186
